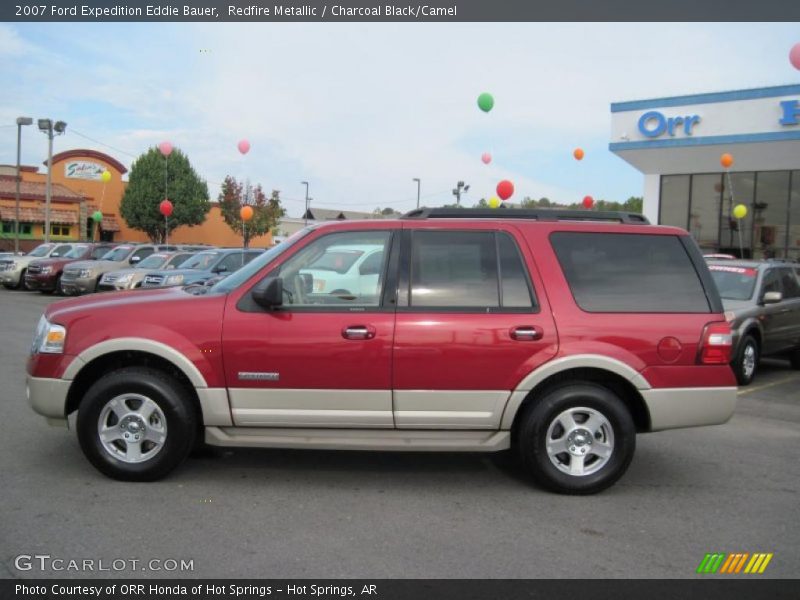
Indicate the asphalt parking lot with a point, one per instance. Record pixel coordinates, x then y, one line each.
303 514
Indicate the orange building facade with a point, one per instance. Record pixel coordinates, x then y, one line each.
77 192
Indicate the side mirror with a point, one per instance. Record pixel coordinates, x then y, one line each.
269 293
221 269
135 259
772 298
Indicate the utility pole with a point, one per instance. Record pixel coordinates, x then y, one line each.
20 122
47 127
305 214
418 184
457 191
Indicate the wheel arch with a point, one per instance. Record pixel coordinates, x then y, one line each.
620 378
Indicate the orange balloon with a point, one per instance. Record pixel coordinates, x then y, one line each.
726 160
246 213
578 153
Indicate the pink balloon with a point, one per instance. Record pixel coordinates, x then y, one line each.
244 146
794 56
486 158
165 148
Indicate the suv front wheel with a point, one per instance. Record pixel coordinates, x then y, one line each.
577 438
136 424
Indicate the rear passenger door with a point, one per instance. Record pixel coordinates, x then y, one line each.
470 325
789 308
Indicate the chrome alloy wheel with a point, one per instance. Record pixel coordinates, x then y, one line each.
749 361
132 428
580 441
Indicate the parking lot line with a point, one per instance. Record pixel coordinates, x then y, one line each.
758 388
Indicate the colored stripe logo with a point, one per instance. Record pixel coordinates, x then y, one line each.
734 563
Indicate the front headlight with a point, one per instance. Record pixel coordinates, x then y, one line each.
46 270
84 273
125 278
174 280
49 338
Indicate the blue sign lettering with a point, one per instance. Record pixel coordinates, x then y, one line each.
653 124
791 112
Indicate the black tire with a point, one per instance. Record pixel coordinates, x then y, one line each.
59 291
21 283
618 432
744 370
180 419
794 358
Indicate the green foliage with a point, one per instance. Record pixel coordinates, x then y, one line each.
266 211
145 191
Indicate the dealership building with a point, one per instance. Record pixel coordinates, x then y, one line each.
677 143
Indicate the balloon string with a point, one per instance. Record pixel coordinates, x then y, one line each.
738 221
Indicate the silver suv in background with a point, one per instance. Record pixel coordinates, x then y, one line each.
131 278
762 304
13 268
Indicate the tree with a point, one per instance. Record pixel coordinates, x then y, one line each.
145 192
266 211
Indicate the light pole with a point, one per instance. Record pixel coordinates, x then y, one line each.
305 214
20 122
418 184
48 127
457 191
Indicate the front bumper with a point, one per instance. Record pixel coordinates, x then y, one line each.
76 287
40 282
10 277
48 397
674 408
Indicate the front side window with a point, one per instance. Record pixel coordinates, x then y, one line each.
141 253
118 254
61 250
154 261
629 273
41 250
467 269
324 273
791 288
77 251
771 283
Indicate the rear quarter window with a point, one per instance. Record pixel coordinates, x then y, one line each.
629 273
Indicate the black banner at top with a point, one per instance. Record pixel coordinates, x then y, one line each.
339 11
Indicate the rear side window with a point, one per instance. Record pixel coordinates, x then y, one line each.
635 273
467 269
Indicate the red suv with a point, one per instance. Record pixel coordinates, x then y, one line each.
558 334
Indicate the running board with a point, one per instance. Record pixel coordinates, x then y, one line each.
359 439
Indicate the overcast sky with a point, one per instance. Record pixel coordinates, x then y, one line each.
360 110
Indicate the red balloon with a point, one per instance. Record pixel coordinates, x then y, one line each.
486 158
794 56
588 202
165 148
505 189
165 208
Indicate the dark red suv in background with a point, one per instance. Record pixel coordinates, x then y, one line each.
45 275
558 334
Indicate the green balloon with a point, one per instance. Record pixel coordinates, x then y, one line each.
485 102
97 216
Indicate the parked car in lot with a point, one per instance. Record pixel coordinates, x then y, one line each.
131 278
346 270
45 274
13 269
560 334
84 277
202 267
762 304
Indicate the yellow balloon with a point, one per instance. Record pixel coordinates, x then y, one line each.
494 202
106 176
740 211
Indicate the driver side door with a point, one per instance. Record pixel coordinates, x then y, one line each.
320 359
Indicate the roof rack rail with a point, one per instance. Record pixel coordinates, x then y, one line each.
539 214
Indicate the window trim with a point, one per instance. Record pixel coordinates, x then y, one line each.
404 287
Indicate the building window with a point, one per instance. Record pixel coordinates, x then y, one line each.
59 230
674 206
8 228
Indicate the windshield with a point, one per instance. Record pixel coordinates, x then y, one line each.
202 261
76 252
734 283
254 266
41 250
154 261
119 253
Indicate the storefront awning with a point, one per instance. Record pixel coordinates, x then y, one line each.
36 215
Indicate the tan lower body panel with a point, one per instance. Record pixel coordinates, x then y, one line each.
359 439
449 409
689 407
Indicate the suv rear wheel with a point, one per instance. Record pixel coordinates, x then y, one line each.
577 438
136 424
746 362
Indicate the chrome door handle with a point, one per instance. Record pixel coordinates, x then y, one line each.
526 333
358 332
